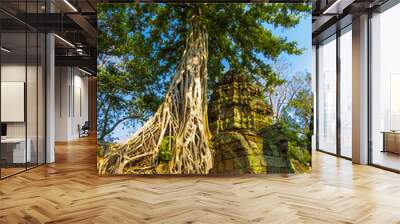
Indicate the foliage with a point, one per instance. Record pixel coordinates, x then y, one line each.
302 108
301 155
298 154
299 114
272 136
284 87
121 98
165 154
140 46
291 101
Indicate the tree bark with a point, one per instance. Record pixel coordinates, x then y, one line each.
182 117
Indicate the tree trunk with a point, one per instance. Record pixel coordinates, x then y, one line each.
182 117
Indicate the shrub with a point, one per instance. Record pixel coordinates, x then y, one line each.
299 154
164 154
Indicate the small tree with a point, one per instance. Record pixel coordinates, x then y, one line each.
283 87
302 111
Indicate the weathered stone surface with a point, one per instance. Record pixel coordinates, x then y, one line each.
276 149
237 113
236 104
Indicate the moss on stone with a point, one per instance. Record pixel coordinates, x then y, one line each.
238 114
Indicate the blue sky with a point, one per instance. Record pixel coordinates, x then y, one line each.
300 63
302 35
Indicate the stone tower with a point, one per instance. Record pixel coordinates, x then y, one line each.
237 114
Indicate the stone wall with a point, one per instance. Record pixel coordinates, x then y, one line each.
236 104
237 116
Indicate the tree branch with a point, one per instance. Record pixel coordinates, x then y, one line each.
119 122
105 121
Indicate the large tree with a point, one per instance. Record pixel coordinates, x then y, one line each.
185 46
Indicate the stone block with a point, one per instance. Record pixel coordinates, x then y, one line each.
237 114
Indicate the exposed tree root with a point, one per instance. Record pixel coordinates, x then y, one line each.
182 116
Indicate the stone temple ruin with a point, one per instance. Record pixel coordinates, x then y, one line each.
240 122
